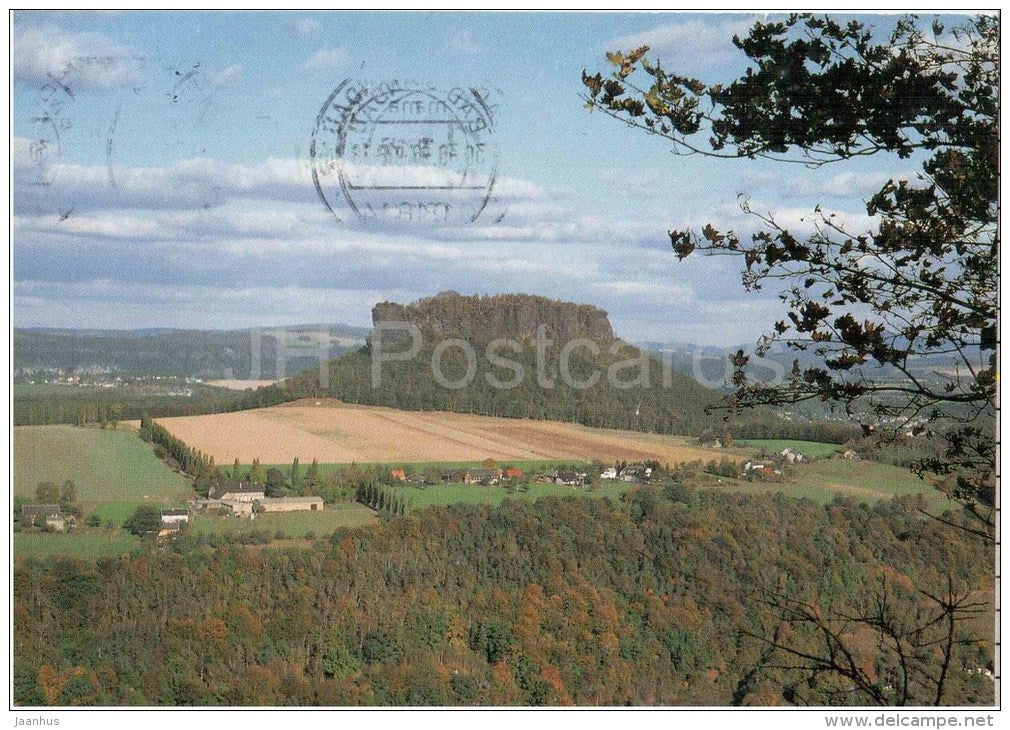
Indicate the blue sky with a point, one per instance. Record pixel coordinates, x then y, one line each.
166 181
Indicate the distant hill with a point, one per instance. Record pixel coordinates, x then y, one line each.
670 400
650 396
708 363
180 352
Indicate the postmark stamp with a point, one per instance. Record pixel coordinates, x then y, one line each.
405 152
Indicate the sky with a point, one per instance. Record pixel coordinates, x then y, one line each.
163 172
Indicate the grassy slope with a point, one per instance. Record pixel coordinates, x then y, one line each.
861 480
105 465
83 544
113 471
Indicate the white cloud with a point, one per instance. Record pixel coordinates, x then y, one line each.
694 41
86 304
327 59
463 41
189 183
225 76
670 291
303 28
842 185
48 54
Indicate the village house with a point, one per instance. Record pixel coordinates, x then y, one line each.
569 478
238 508
238 492
453 476
37 515
636 474
610 473
761 469
398 474
172 520
471 476
482 476
288 504
512 473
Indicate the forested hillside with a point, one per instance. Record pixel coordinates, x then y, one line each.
484 318
182 353
663 599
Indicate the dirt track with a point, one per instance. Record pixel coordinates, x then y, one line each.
334 432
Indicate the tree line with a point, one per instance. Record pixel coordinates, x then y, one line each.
177 453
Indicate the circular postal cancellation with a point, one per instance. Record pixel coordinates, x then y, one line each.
405 152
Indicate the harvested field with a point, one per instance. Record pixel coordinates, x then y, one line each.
240 384
335 432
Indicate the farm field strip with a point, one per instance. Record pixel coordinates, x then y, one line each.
335 432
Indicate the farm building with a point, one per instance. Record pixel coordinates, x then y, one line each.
238 492
760 469
636 474
37 515
793 457
610 473
174 516
398 474
482 476
570 478
471 476
511 472
172 520
239 508
288 504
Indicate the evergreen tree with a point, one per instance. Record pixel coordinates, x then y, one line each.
256 473
47 493
68 493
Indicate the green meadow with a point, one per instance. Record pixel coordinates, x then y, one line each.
442 494
106 465
86 543
292 524
115 472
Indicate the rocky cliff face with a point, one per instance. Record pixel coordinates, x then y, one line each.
485 318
